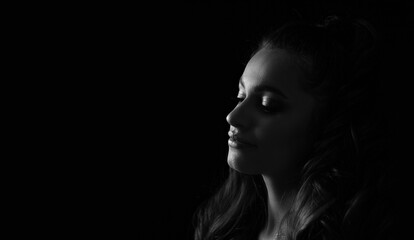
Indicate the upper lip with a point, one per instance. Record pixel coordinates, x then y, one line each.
236 137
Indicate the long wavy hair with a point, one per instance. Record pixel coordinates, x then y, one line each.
341 193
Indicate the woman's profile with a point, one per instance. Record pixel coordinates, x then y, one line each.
306 140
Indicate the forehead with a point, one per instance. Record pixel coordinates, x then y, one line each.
275 67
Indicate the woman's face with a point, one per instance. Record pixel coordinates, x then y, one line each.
273 121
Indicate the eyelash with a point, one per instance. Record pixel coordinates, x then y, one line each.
270 110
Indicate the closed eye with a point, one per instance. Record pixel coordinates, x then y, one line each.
269 105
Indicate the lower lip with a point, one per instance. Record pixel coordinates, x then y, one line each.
239 145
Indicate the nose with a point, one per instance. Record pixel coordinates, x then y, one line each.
239 117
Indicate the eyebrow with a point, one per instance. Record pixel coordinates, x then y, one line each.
265 88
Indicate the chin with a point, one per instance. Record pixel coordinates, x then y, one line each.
242 165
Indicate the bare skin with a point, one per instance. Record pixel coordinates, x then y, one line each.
275 119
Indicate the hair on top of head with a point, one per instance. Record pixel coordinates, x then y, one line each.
351 40
354 34
357 36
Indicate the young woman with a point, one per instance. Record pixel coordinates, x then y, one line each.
306 140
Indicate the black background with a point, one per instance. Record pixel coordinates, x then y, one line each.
200 51
179 65
137 102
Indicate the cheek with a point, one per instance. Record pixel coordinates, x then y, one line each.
285 142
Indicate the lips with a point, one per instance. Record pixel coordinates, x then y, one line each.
236 141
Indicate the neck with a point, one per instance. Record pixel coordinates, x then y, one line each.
280 197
